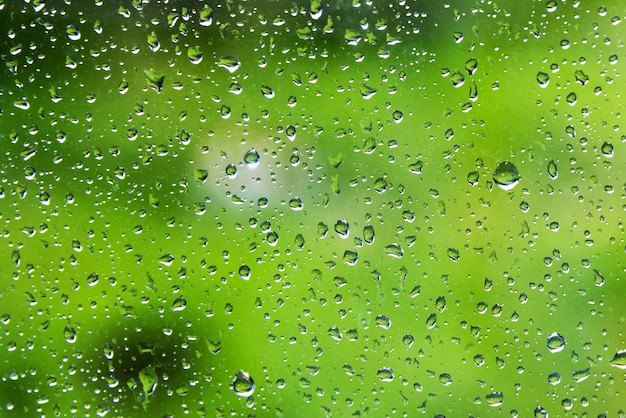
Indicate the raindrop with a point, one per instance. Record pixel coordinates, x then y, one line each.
408 341
598 278
397 116
368 234
315 9
69 334
554 378
394 250
267 91
153 42
244 272
92 279
552 170
506 175
607 149
540 412
385 374
229 63
22 104
431 321
445 379
495 399
342 228
179 304
619 359
251 158
543 79
108 351
367 92
194 54
166 260
231 171
556 342
453 254
296 204
206 16
72 32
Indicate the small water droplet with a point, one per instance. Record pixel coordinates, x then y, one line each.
72 32
552 170
445 379
554 378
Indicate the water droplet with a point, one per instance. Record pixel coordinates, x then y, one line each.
244 272
72 32
571 98
598 278
543 79
69 334
206 16
154 79
440 304
457 79
316 9
385 374
607 149
194 54
290 131
368 234
471 65
506 175
179 304
342 228
231 171
495 399
431 321
581 375
540 412
166 260
267 91
383 322
299 242
153 42
445 379
554 378
22 104
367 92
92 279
552 170
397 116
408 341
229 63
296 204
251 158
225 111
394 250
619 359
453 254
556 342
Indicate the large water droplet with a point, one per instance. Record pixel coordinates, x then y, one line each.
243 384
506 175
229 63
556 342
251 158
69 334
619 359
495 399
385 374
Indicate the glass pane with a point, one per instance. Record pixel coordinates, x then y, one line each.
312 208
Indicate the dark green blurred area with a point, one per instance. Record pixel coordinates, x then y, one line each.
312 195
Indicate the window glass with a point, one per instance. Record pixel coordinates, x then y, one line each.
312 208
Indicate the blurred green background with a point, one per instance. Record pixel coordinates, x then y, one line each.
305 192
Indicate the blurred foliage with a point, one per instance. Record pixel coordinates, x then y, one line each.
315 208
